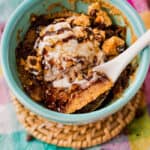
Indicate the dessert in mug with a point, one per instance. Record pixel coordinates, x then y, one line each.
57 56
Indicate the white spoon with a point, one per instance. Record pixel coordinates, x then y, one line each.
114 67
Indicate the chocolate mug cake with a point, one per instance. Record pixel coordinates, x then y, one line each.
57 56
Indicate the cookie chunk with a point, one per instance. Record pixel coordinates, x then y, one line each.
111 45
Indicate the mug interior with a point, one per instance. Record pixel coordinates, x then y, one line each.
20 23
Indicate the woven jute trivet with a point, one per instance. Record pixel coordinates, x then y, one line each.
77 136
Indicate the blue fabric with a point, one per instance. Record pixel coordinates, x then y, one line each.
7 7
17 141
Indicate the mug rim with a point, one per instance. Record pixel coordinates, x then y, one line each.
71 118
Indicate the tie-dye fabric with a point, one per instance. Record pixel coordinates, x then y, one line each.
139 5
13 136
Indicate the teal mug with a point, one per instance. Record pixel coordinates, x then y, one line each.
21 20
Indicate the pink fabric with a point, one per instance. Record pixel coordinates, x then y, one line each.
131 2
147 92
147 87
118 143
139 5
4 92
1 28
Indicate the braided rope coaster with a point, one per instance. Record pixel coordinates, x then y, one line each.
77 136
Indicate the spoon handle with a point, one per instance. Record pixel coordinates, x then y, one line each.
114 67
135 48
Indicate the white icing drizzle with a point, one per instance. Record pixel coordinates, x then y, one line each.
83 83
62 83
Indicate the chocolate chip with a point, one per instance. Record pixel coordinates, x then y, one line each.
93 12
109 33
45 51
80 39
32 53
99 38
62 30
95 60
120 32
69 38
49 33
52 46
72 23
121 48
33 62
101 26
89 31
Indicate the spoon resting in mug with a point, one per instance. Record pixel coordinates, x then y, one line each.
114 67
111 70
